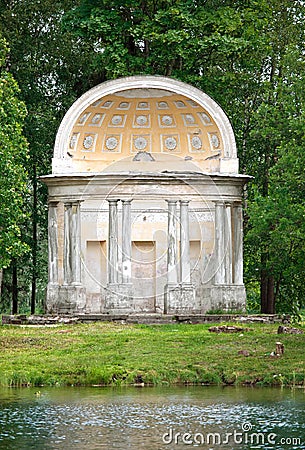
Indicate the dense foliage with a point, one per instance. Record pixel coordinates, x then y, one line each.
13 157
248 55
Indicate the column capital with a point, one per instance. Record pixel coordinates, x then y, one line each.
113 201
219 202
184 202
127 200
72 202
171 202
53 203
76 202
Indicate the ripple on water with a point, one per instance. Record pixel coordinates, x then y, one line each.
138 420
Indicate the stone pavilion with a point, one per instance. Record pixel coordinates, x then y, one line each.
145 210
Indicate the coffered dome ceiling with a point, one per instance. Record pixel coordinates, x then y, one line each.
142 124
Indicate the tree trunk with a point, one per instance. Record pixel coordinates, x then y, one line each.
264 290
34 245
1 278
14 289
270 296
267 293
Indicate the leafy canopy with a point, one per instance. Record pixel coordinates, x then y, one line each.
13 155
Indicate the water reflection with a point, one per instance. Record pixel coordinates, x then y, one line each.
152 418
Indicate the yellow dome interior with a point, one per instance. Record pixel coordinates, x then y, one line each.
154 121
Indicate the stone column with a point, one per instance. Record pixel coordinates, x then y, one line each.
53 243
238 243
228 244
185 264
71 296
219 242
113 242
67 243
172 275
75 243
72 260
126 241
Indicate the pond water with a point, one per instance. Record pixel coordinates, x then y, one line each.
152 418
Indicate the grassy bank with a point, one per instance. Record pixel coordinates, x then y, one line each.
105 354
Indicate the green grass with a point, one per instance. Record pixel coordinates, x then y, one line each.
113 354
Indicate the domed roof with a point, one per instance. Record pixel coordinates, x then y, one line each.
144 119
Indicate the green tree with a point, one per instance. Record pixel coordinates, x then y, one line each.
13 177
50 68
248 55
190 40
274 149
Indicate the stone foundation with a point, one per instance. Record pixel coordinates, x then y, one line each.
119 298
180 299
65 299
224 298
157 319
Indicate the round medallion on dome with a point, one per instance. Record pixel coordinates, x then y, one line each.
124 105
167 120
107 104
193 104
96 118
215 140
111 143
189 119
180 104
170 143
117 120
143 105
73 140
196 142
140 143
83 118
205 118
162 105
141 120
88 142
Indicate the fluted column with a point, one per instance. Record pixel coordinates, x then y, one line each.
53 242
75 242
219 242
185 265
113 242
172 275
72 260
228 244
238 243
126 241
67 243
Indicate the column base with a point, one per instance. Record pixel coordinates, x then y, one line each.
223 297
65 299
51 298
180 299
119 298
